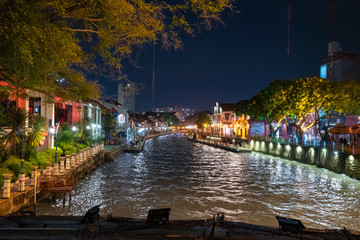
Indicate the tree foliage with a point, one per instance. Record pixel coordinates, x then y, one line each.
47 45
14 122
38 131
297 100
242 108
171 119
203 118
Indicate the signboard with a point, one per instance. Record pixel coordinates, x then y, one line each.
257 129
121 119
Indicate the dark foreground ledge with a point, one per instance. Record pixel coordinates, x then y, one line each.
68 227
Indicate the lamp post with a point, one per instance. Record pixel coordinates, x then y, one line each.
54 131
75 129
22 175
89 128
21 135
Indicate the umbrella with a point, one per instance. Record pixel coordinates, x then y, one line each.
340 128
355 129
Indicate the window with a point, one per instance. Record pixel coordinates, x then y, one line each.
68 114
227 116
35 106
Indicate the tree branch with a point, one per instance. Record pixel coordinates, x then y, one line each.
81 30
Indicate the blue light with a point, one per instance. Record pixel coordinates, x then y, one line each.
323 71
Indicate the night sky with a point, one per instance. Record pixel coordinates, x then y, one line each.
236 60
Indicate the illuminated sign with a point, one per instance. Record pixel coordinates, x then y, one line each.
121 119
323 71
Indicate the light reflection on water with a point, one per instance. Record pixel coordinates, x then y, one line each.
197 181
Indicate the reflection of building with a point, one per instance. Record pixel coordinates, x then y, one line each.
126 96
180 112
340 66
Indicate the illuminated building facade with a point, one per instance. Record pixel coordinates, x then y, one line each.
227 124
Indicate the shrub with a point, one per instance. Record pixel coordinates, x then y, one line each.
83 145
13 164
27 168
99 139
4 154
70 150
65 140
30 153
46 156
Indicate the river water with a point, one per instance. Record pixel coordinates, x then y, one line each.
197 181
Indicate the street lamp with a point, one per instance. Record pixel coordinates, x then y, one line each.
91 129
21 135
54 131
75 129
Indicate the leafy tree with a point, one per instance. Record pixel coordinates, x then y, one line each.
171 119
347 96
242 108
204 118
340 100
47 45
299 99
267 104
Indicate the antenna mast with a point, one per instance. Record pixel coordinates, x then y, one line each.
288 27
153 74
332 21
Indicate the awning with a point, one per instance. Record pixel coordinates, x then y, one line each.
355 129
340 128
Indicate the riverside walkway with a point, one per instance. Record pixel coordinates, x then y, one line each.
52 180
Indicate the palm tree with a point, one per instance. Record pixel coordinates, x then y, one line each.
15 120
38 133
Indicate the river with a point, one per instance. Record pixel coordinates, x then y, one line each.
197 181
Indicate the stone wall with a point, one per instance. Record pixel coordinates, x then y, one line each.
330 159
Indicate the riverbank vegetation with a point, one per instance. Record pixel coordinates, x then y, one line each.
303 103
17 140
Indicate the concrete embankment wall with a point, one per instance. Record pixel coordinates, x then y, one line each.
330 159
